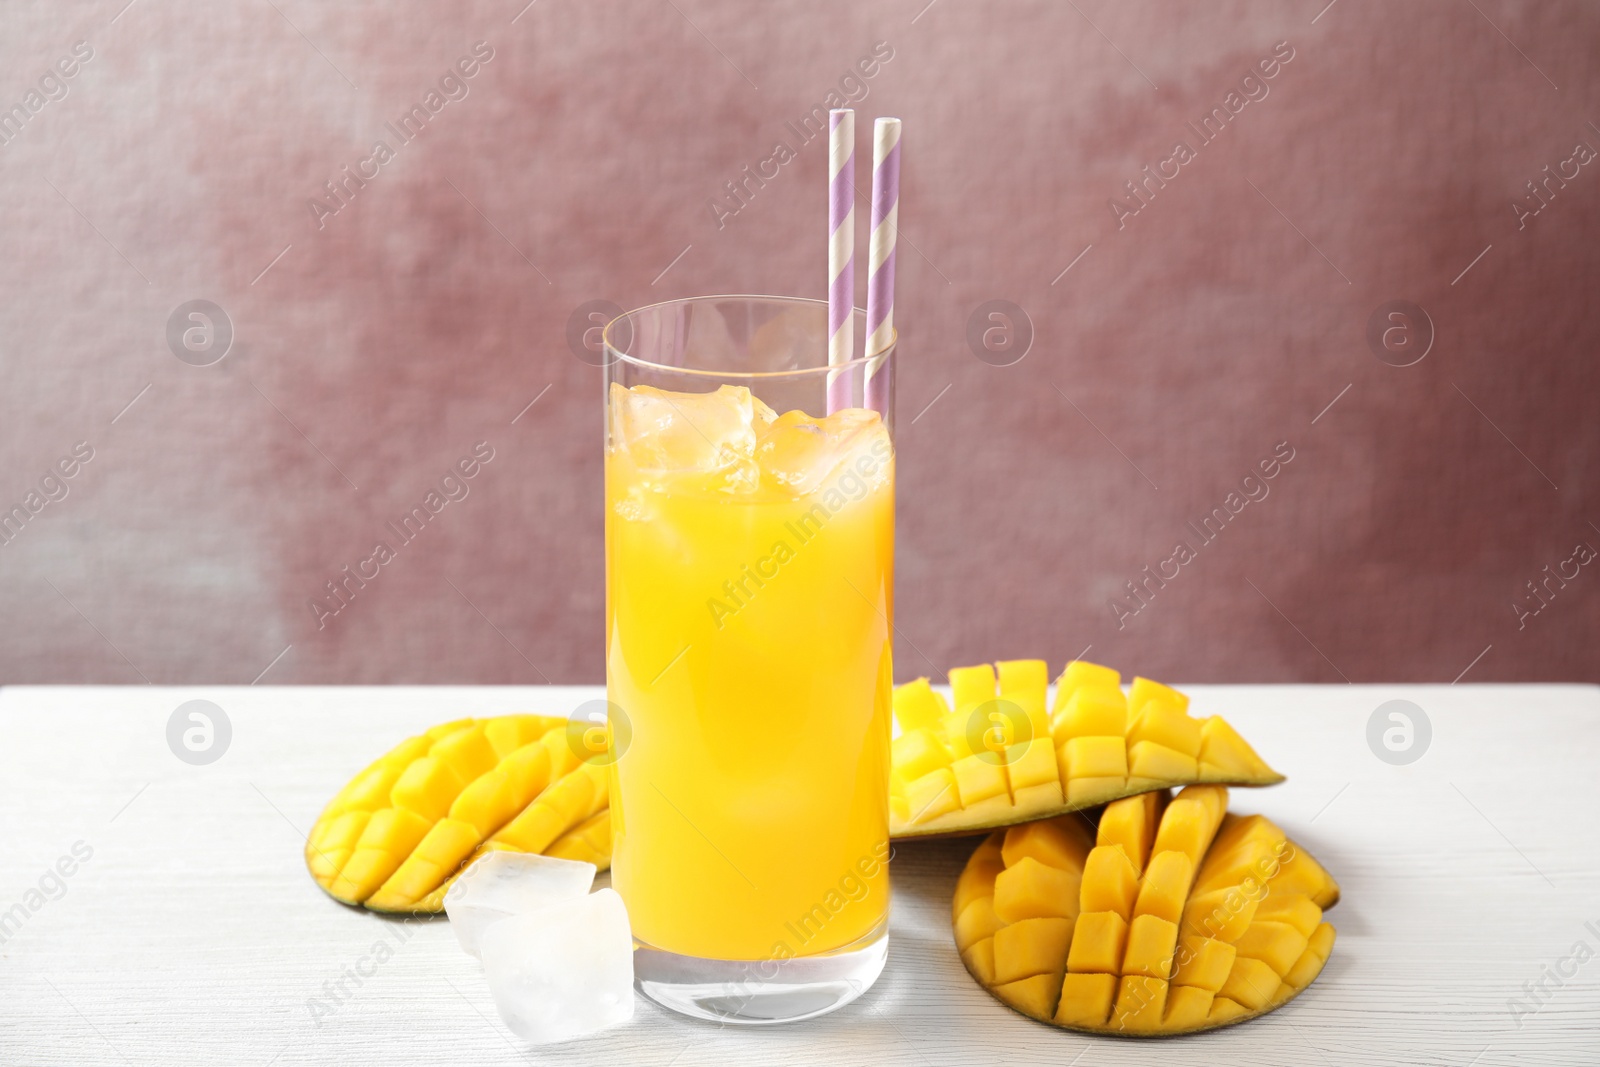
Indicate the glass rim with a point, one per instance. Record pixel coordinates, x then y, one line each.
615 354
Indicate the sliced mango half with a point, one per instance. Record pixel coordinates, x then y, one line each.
1001 756
400 832
1165 918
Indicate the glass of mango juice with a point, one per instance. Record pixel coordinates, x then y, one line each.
749 547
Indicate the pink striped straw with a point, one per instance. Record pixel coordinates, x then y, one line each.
880 257
841 252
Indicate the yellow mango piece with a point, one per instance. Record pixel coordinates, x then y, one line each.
1297 911
1224 1010
1034 996
1081 674
1152 947
1109 881
1191 820
589 841
488 803
979 777
1187 1008
389 836
1230 755
1096 757
1299 873
918 707
1092 713
976 922
1032 946
468 752
1167 726
977 877
1025 682
436 857
1310 963
1031 890
1033 763
1099 941
1062 843
979 958
1165 886
1144 693
1203 962
1086 1000
1221 913
971 687
1141 1004
1083 792
1158 763
1276 944
917 753
932 795
1251 983
428 787
1131 823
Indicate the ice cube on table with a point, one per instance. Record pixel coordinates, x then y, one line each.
563 971
698 432
504 884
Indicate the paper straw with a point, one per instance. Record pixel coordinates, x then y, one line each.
880 255
841 252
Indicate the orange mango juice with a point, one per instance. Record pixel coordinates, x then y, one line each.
749 564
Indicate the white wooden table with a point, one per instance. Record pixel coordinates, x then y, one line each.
193 935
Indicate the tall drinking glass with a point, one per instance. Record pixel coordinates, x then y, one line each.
749 606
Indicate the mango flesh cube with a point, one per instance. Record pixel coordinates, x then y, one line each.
1251 983
1222 747
918 753
978 877
1158 763
1031 890
1144 692
1032 763
1096 757
932 795
1024 682
971 687
427 787
1034 996
979 777
1299 912
1082 792
979 958
1222 913
1092 713
918 707
1223 1009
1165 887
1141 1004
1081 674
1309 965
1099 941
1109 881
1086 999
1032 946
1203 962
1276 944
1152 947
1187 1007
976 922
1191 820
1062 843
1299 873
1131 823
1169 727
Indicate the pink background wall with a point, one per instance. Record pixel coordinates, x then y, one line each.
376 346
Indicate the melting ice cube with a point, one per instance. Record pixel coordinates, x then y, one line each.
505 884
563 971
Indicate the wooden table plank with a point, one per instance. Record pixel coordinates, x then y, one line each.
193 935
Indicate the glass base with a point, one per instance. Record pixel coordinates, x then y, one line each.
760 992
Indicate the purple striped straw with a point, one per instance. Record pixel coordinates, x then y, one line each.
841 253
880 258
